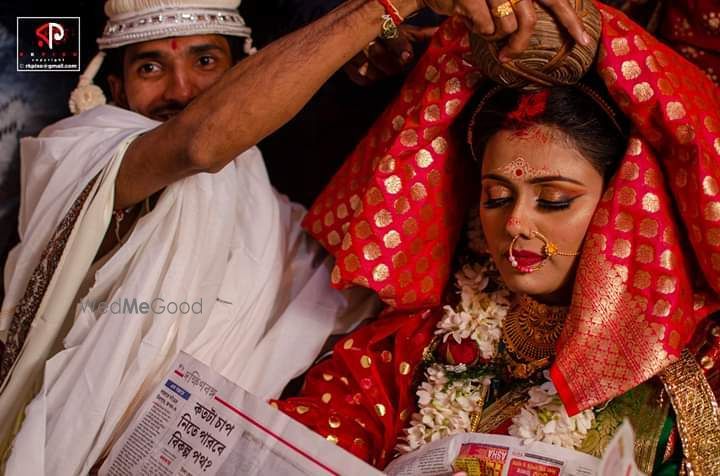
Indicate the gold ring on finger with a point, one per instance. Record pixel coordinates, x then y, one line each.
503 10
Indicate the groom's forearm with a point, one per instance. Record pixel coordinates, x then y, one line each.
253 99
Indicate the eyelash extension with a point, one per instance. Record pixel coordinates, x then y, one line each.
496 202
544 204
554 206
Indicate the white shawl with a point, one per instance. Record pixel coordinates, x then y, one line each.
227 239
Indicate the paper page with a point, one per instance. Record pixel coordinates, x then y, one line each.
198 423
481 454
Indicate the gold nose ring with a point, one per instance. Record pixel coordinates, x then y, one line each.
549 250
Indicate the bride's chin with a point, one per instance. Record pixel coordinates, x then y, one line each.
535 283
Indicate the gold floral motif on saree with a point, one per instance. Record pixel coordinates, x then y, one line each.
610 334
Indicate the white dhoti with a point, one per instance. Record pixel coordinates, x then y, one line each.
225 247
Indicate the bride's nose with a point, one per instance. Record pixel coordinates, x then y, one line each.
517 224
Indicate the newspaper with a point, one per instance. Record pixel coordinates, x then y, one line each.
481 454
197 422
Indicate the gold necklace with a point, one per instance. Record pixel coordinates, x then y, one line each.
530 332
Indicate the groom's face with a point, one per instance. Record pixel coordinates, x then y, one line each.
161 77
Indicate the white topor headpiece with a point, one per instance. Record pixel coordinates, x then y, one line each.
135 21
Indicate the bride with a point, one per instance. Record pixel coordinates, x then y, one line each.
582 287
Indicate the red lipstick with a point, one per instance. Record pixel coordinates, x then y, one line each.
525 261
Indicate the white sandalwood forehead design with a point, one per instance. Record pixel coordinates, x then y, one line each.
520 169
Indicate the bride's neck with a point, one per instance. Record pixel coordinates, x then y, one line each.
554 299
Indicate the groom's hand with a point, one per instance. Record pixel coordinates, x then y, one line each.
385 58
513 18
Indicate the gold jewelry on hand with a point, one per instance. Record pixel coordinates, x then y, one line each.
389 30
503 10
391 21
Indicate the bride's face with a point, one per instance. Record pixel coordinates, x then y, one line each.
537 181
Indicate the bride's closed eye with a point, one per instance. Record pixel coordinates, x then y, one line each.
555 200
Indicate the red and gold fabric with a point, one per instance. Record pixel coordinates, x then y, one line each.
638 296
648 274
391 216
362 396
692 27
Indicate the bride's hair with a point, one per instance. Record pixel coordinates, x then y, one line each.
584 118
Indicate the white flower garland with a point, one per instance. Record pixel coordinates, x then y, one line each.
544 418
479 315
448 397
445 407
445 404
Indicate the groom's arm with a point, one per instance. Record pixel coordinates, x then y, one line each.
264 91
251 100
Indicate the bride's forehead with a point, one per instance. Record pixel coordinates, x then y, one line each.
538 148
520 169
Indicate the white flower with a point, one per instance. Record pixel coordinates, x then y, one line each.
479 315
472 277
445 408
540 396
459 325
457 369
526 425
544 418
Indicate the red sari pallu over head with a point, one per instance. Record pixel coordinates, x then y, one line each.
648 274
